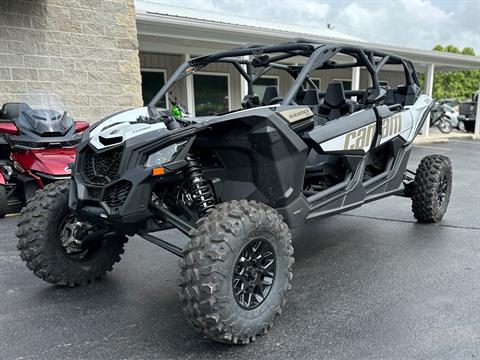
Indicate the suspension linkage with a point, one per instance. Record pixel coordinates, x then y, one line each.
162 243
171 218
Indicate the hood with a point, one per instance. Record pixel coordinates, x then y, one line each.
124 125
120 127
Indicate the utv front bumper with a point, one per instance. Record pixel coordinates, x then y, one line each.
107 195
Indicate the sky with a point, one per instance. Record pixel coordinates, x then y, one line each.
411 23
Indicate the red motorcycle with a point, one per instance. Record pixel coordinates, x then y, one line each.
36 148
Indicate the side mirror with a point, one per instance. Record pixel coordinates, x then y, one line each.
81 126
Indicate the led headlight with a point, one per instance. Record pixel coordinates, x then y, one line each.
162 156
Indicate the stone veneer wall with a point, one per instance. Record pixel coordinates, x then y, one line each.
83 51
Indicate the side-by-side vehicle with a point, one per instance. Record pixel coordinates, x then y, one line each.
237 182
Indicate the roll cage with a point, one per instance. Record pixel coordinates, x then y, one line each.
248 57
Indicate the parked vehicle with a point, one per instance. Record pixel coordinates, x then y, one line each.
445 118
36 147
468 112
452 102
236 182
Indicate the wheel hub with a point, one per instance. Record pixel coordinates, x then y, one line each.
72 232
254 274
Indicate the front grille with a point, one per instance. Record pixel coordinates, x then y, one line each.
102 168
116 194
95 193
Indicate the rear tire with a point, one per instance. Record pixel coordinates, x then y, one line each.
3 201
226 284
39 232
461 125
432 188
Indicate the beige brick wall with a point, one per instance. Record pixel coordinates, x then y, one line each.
83 51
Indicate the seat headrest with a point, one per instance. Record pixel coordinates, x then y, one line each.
311 97
335 95
406 90
270 93
12 110
390 97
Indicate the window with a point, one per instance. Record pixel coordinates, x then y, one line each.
316 81
260 84
211 93
347 84
152 81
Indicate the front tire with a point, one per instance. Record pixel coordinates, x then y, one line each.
236 271
432 188
43 222
445 126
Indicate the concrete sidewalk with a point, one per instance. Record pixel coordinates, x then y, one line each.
435 136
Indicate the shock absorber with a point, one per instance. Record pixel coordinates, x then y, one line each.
200 189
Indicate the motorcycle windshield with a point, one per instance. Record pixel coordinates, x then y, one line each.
44 122
43 114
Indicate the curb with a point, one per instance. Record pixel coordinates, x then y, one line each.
430 141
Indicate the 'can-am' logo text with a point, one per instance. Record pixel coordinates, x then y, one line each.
363 137
391 125
360 138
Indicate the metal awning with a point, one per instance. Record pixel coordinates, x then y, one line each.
174 33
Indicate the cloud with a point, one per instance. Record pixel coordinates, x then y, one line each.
410 23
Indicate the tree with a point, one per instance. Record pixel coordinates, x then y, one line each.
455 84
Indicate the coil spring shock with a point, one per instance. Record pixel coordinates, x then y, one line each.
200 189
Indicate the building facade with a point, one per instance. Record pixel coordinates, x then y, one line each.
85 52
101 56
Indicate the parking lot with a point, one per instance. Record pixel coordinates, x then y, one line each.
368 284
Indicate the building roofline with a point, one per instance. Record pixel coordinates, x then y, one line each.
456 61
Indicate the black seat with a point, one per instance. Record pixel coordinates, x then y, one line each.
311 98
407 94
300 95
404 95
334 104
390 97
270 93
11 111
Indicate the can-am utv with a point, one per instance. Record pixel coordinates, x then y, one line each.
236 182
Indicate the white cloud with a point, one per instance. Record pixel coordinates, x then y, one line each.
411 23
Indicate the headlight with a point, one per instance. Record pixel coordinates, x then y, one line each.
162 156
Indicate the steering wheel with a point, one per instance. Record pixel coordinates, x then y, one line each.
275 100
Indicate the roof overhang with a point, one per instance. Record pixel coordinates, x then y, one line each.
177 35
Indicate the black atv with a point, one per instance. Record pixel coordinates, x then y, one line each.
236 182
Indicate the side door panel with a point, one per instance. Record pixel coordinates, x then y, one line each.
355 132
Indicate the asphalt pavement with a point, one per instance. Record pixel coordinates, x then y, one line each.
368 284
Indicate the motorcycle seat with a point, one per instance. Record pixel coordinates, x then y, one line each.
11 111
